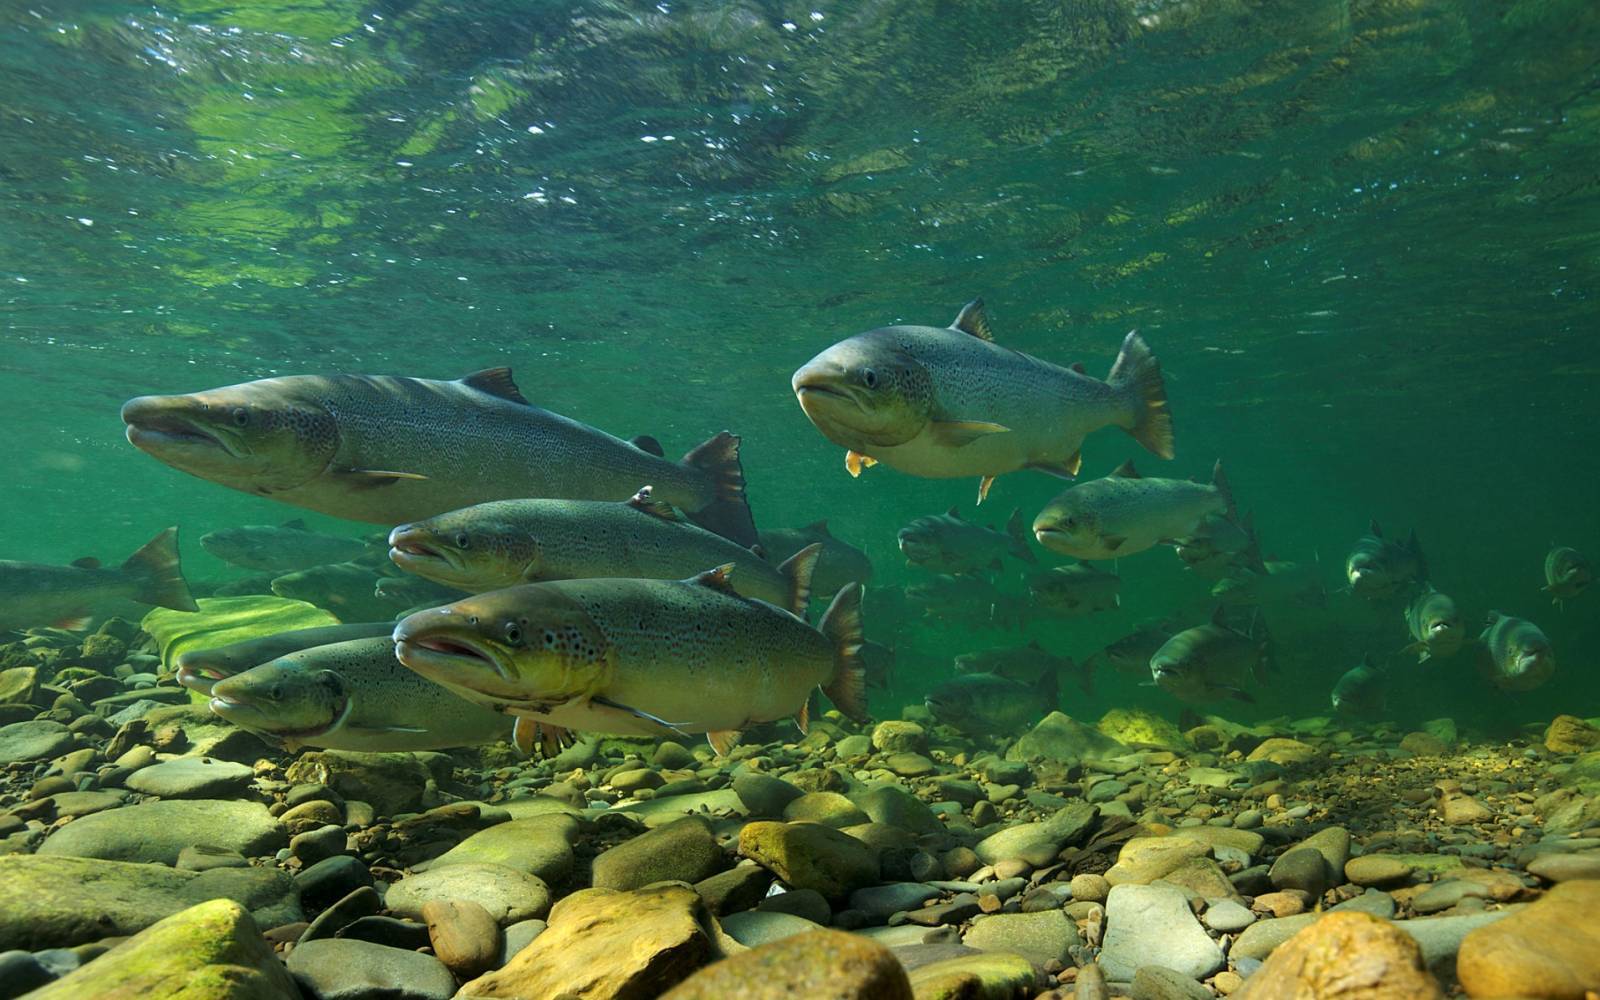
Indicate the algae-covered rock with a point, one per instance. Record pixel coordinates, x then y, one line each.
684 850
1550 949
1136 727
509 895
1345 954
1570 734
990 975
820 963
225 620
210 951
810 856
600 943
158 831
1063 739
391 782
538 845
54 902
1284 751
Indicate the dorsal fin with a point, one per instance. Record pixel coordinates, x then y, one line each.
819 527
1077 366
717 579
649 445
496 382
1373 529
1219 617
87 562
297 524
971 319
643 500
1126 471
954 512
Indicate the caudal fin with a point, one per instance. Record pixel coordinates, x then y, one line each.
1137 374
797 570
159 576
841 623
1019 537
1219 480
728 513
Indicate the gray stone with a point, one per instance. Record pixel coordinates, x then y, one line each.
1259 939
1153 925
684 850
1153 982
21 972
203 859
40 739
158 831
316 845
1227 917
883 901
509 895
1063 739
1049 935
342 969
191 778
758 927
1440 937
892 805
331 879
518 936
1565 867
1301 868
538 845
763 794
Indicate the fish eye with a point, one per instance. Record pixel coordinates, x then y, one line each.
513 633
869 378
463 541
241 416
472 619
275 692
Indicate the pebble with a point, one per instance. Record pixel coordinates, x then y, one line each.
1153 924
509 895
1153 982
822 963
684 850
1377 870
539 845
1228 917
464 936
345 969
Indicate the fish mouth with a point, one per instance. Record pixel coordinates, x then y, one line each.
412 551
445 658
152 428
249 715
199 678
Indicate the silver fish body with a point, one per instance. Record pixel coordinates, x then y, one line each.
944 543
282 548
199 669
1210 661
1516 655
1435 625
1125 513
36 594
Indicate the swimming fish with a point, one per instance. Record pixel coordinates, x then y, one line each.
352 695
839 564
1126 513
950 402
944 543
36 594
1516 654
388 449
199 669
1210 661
349 590
878 664
1566 574
968 599
1220 545
1076 590
503 543
1283 582
1361 690
1379 569
1435 624
641 657
409 592
989 704
1024 664
1131 654
282 548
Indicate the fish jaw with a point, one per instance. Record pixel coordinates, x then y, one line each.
415 550
243 437
199 677
255 700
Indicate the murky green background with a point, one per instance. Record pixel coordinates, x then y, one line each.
1363 238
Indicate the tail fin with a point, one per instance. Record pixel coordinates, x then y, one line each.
1019 537
841 623
797 570
728 514
1137 374
1220 481
160 577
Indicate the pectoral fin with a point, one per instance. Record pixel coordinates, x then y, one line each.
530 734
368 479
960 433
723 740
854 462
1066 470
983 488
640 713
802 718
1112 542
646 502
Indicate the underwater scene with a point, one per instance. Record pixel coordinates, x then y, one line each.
607 500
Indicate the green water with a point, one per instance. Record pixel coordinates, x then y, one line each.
1363 238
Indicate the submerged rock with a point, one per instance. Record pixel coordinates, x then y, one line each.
1063 739
343 969
509 895
537 845
983 976
683 850
1153 925
158 831
820 963
810 856
1551 949
1349 955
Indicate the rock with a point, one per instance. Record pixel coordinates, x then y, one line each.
20 972
191 778
739 888
518 936
1565 734
330 880
1065 740
806 903
1283 751
210 951
827 808
1440 937
203 859
18 685
316 845
1043 937
893 806
1373 902
673 757
392 782
883 901
1203 878
1424 745
1039 843
1247 841
1566 867
1089 887
1551 949
763 794
360 902
894 736
1349 955
1144 859
158 831
41 739
1228 917
509 895
1259 940
74 804
754 928
1136 727
1152 982
69 901
810 856
391 932
1300 868
823 963
984 976
1464 810
343 969
635 779
684 850
538 845
601 943
464 936
909 765
1377 870
1153 925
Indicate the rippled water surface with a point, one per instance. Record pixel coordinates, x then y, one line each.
1363 238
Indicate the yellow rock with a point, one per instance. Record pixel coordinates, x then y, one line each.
820 963
1349 956
1570 734
1280 750
1549 951
1136 726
